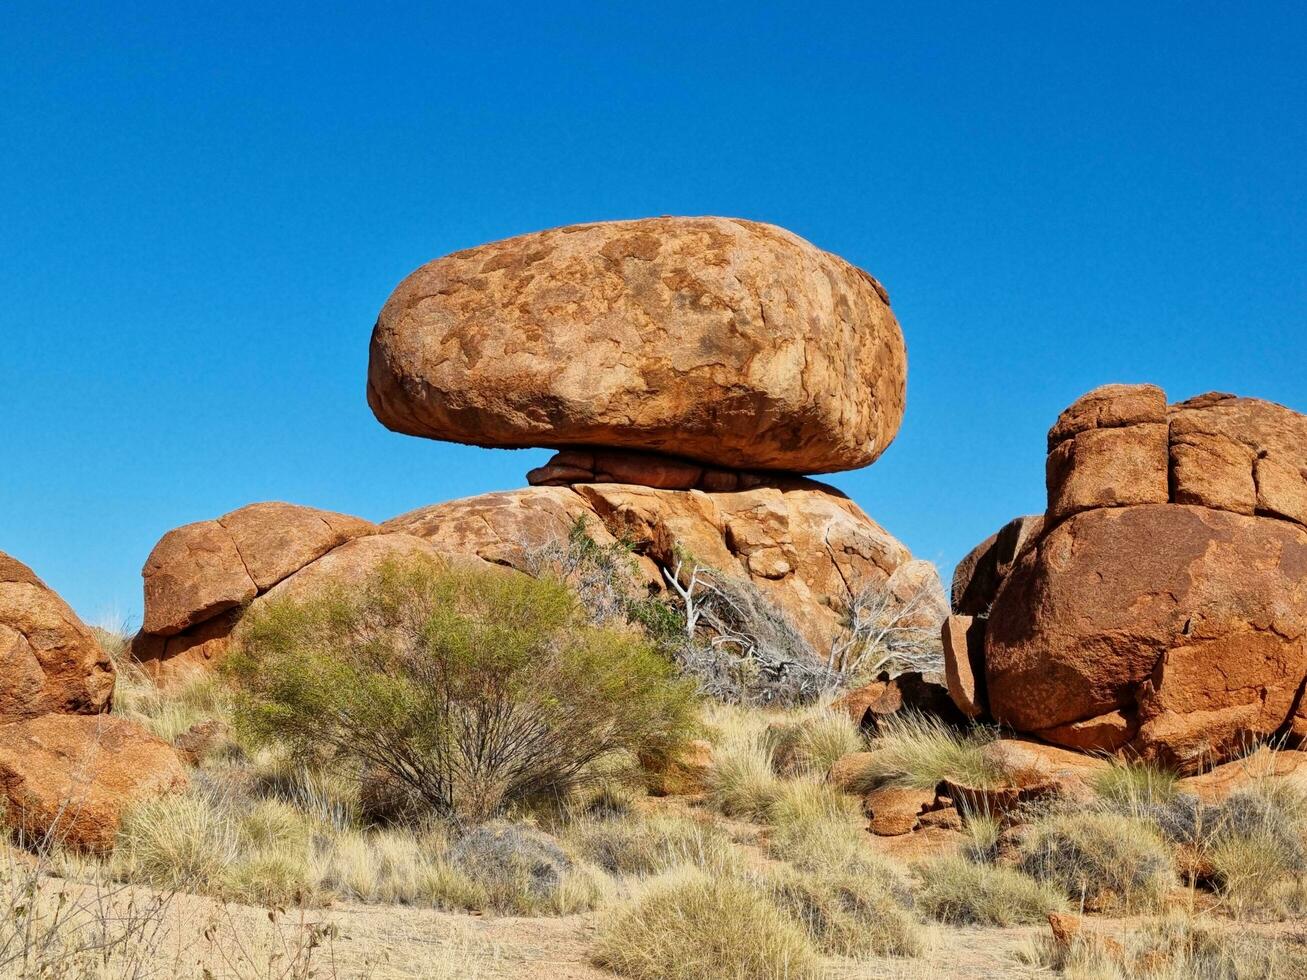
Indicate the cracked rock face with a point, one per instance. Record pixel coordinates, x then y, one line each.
1162 606
49 660
1189 625
808 548
715 340
201 578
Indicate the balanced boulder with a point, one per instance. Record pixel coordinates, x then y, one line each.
715 340
49 660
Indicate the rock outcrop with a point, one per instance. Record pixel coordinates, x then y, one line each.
808 548
49 660
67 779
1161 608
729 342
201 578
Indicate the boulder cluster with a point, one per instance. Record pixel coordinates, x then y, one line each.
67 769
688 371
691 374
1159 606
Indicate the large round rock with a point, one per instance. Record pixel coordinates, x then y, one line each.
1180 629
719 340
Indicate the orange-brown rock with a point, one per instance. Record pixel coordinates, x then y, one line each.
886 696
684 774
201 578
1109 449
1256 768
49 660
964 663
894 810
200 570
1190 622
507 528
730 342
977 578
849 772
807 547
1021 772
572 466
68 778
1240 454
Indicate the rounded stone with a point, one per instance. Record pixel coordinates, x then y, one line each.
716 340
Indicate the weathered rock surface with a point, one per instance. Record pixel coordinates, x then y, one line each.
1162 607
808 548
572 466
886 696
49 660
1240 454
199 570
979 575
894 810
1109 449
964 664
68 778
730 342
267 551
1192 620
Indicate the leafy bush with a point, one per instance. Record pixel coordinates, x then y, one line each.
961 892
1102 859
474 689
689 925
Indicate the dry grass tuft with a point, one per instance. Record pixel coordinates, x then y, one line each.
1100 860
1177 947
920 751
845 913
639 845
961 892
688 925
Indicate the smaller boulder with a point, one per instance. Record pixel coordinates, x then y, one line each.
69 778
964 663
894 810
685 773
1109 449
925 693
849 772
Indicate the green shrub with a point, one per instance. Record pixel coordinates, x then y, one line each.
1103 860
961 892
692 926
475 689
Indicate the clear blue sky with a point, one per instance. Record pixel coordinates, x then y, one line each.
203 207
